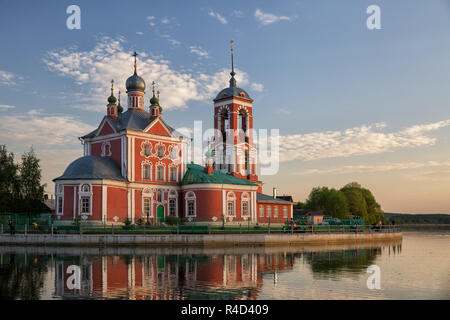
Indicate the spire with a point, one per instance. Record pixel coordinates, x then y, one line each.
112 99
232 73
135 62
119 107
154 101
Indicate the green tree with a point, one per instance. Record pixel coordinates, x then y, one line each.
362 203
329 201
9 181
32 192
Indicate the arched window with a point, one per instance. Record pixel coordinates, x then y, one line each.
173 203
191 205
146 170
159 195
85 200
231 204
160 151
160 172
245 208
147 196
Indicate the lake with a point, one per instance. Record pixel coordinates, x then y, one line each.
418 267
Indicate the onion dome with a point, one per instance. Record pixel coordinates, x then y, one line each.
111 98
135 82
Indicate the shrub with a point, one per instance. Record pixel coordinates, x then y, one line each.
171 221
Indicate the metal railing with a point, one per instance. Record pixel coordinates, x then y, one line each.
182 229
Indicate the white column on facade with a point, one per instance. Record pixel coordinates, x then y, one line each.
104 202
122 147
128 203
133 205
132 164
128 157
74 202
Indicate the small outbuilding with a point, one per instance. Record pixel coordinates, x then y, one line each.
314 217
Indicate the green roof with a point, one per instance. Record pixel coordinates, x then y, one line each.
196 174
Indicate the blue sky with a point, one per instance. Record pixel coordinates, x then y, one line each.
351 103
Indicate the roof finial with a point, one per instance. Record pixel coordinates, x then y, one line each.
232 73
119 98
112 99
157 94
135 63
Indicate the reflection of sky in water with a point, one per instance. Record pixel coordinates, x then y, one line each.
420 270
417 268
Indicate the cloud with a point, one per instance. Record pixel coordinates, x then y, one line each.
363 140
201 53
165 20
375 168
151 21
93 70
139 33
8 78
265 19
257 87
39 129
222 20
237 14
6 106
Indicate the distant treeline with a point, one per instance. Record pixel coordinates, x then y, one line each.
405 218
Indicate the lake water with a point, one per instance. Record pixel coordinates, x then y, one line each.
416 268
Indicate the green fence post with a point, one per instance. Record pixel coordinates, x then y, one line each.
2 227
240 228
112 228
25 229
52 228
269 226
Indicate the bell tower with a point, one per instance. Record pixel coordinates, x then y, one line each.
234 149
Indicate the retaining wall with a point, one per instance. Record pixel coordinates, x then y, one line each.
203 240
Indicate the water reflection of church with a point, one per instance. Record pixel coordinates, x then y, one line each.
168 277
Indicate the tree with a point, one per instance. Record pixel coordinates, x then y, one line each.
329 201
32 192
9 182
362 203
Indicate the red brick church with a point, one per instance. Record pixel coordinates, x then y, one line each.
135 167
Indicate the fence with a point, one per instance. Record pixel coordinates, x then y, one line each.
180 229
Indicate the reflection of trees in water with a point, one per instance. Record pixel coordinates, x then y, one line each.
329 263
22 276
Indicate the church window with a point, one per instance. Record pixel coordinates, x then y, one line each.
146 207
285 212
60 204
172 207
160 152
85 205
261 211
146 171
173 174
275 212
231 204
85 188
160 173
245 209
269 211
190 204
147 150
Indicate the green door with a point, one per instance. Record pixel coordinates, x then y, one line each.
160 213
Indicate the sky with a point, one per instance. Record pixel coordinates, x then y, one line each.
350 103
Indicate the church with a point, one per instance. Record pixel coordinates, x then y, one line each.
135 167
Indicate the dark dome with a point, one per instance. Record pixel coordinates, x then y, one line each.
135 83
233 92
92 167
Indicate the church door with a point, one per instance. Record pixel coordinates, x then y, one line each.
160 213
